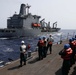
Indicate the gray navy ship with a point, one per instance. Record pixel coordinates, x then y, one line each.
25 24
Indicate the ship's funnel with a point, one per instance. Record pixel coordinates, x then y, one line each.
23 9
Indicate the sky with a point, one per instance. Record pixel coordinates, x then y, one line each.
62 11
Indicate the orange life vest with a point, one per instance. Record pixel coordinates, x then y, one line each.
73 45
68 53
50 42
41 43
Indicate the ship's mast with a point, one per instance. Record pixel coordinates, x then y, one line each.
28 7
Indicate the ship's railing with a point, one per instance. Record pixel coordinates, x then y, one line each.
65 37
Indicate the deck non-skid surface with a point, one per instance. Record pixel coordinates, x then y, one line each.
51 65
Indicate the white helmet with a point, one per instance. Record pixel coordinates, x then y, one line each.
22 42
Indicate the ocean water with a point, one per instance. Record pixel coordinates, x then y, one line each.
9 48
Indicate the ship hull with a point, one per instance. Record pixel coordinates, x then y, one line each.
25 32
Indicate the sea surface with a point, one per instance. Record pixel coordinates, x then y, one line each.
9 48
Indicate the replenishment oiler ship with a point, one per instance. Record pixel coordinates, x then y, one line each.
25 24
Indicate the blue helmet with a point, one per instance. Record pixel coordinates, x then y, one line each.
39 38
70 40
73 39
66 46
44 38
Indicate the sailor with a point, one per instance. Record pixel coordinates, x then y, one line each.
50 41
22 53
28 50
66 56
72 45
75 36
44 47
40 48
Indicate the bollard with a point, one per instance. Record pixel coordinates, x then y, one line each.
67 35
29 53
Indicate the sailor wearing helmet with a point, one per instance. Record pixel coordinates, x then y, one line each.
22 53
66 55
50 41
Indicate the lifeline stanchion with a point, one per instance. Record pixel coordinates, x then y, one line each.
73 34
67 35
61 39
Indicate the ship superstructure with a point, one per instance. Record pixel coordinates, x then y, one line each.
23 19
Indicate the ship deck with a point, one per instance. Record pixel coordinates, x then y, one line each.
51 65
